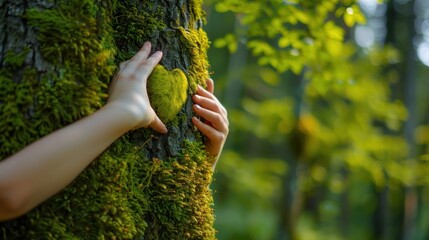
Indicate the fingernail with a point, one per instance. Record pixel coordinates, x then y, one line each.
197 106
146 44
158 54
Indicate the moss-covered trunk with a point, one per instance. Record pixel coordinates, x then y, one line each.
56 61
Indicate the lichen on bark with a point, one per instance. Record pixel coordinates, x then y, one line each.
56 61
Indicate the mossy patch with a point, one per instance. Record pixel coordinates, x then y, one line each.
195 41
179 196
123 194
167 92
132 27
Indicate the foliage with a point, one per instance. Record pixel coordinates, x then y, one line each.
301 33
255 182
332 75
328 113
265 119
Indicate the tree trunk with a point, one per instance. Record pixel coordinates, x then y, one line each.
292 197
56 60
401 34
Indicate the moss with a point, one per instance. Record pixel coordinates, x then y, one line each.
78 43
179 196
16 102
72 36
76 39
167 92
105 201
16 59
128 31
198 15
121 195
196 43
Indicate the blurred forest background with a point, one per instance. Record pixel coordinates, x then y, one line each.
329 118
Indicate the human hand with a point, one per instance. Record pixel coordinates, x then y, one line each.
128 89
215 119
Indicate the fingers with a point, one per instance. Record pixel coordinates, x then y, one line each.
146 67
123 64
210 104
142 54
216 119
158 126
211 133
210 85
208 107
141 64
205 93
115 78
207 100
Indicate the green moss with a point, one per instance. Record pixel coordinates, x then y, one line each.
77 41
132 27
67 35
75 38
167 92
16 101
196 43
121 195
197 13
179 196
106 201
16 59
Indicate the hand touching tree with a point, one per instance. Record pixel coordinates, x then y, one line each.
214 123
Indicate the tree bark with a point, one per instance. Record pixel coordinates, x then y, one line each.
56 60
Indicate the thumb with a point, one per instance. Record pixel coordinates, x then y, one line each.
158 125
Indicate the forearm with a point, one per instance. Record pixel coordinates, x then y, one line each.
45 167
48 165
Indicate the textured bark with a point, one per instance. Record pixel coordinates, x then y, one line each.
147 185
15 37
169 42
15 34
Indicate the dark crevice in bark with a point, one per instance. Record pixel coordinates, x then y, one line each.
23 19
16 36
3 32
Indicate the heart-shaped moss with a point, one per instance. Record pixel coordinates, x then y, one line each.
167 92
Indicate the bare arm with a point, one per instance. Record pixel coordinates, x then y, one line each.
48 165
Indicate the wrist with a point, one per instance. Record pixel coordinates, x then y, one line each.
126 119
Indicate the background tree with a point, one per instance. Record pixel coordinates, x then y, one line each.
56 60
317 147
